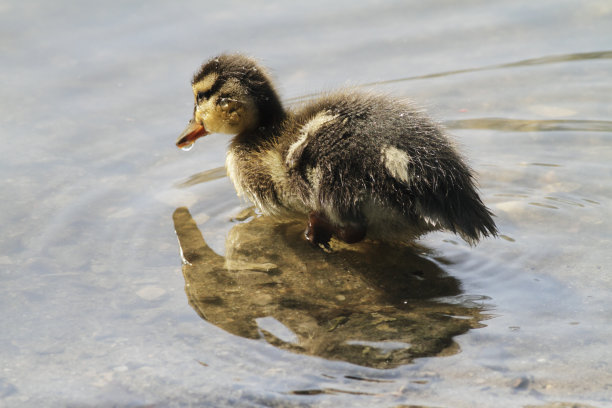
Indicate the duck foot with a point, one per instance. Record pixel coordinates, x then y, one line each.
320 231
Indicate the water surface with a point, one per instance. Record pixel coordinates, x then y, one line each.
93 303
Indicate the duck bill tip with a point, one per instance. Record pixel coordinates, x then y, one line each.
192 132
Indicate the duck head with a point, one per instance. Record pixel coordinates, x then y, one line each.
232 95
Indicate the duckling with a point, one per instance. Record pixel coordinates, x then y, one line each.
355 165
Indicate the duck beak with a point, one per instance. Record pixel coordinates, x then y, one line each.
192 132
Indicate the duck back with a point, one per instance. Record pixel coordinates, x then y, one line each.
369 159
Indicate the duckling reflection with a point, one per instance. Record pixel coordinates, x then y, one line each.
368 304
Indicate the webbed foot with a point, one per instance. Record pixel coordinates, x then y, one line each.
320 231
351 233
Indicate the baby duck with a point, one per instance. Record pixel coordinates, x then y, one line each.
357 165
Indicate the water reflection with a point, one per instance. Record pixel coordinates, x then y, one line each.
367 304
204 176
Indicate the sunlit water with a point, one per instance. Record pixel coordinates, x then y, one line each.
93 305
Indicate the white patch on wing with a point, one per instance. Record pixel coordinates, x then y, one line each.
309 128
396 162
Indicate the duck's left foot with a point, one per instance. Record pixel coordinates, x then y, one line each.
320 231
351 232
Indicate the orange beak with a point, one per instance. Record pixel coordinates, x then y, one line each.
192 132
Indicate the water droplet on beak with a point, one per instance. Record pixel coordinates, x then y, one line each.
187 147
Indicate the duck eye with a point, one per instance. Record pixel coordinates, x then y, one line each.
224 103
203 95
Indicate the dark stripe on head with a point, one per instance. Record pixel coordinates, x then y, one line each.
251 77
213 89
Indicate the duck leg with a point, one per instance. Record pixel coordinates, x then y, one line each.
320 230
351 233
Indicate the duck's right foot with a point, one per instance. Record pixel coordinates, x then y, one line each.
320 231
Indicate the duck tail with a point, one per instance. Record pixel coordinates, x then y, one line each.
473 219
459 209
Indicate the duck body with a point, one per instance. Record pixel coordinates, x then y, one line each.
355 165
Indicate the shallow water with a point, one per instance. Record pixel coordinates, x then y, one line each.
93 303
